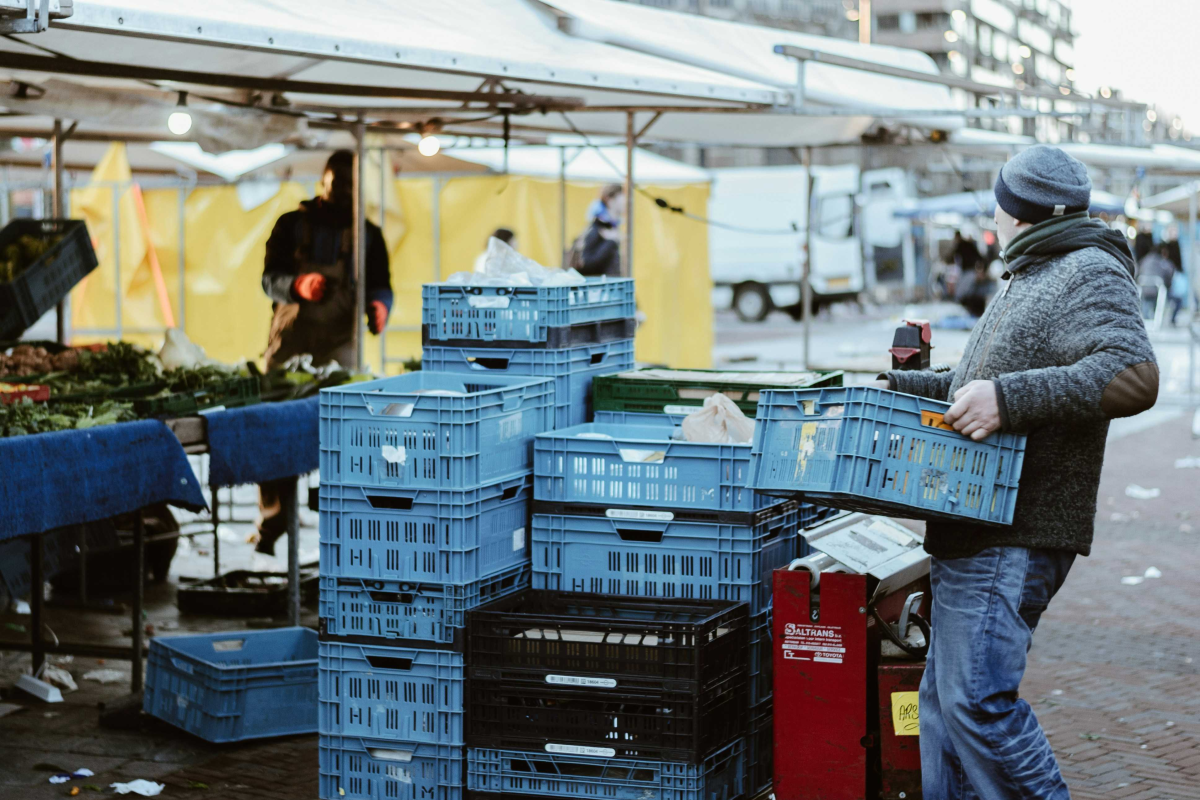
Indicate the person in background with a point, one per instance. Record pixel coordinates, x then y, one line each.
1178 293
1155 266
503 234
597 251
309 275
966 252
1059 353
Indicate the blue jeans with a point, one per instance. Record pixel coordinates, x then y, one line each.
979 740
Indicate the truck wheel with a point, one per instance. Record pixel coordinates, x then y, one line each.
752 302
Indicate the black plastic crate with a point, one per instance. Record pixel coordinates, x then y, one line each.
760 748
48 279
610 722
559 338
570 639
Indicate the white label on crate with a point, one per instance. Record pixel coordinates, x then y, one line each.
228 645
818 643
580 680
510 427
681 410
181 701
634 513
394 455
580 750
519 539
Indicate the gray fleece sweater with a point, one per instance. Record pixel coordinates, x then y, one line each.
1065 345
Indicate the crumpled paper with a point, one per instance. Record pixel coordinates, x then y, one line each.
504 266
143 787
720 421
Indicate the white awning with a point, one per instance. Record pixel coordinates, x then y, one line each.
1178 200
600 165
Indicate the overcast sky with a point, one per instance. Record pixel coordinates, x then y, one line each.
1147 48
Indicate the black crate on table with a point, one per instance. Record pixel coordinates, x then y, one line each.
567 639
47 280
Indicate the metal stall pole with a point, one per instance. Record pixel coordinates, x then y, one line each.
562 203
292 510
183 193
1191 274
216 520
360 241
116 246
435 218
383 232
139 596
35 602
806 273
630 142
60 315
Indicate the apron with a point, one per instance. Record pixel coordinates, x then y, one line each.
326 328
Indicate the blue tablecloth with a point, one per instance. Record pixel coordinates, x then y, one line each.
262 442
49 480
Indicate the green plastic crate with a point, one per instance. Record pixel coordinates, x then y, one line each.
233 393
677 391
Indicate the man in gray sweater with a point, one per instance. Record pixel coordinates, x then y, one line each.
1060 351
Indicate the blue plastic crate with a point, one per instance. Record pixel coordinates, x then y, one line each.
881 452
394 693
520 313
424 535
432 612
571 368
405 432
638 465
638 418
760 748
233 686
575 774
354 768
650 558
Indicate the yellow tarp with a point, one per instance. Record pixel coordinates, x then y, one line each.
226 312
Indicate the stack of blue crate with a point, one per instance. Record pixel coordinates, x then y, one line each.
568 333
632 511
424 511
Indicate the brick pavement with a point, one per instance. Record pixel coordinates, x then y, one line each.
1114 674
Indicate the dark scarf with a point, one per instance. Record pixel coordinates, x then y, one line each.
1062 235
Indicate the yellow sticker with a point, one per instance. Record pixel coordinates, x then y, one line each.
906 719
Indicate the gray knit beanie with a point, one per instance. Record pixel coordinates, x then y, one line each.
1043 182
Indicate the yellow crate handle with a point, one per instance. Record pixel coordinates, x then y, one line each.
932 419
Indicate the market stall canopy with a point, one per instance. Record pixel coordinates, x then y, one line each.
1179 201
974 204
1158 158
393 63
587 164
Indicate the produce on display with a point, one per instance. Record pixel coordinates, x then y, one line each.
26 416
21 254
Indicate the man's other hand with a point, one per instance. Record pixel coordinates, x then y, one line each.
310 286
975 412
377 316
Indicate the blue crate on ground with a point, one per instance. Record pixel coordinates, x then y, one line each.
355 768
653 558
638 465
880 452
426 430
432 612
576 774
394 693
520 313
424 535
233 686
571 368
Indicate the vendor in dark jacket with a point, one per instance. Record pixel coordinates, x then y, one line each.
601 248
309 274
1060 352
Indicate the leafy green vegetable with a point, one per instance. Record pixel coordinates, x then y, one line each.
25 417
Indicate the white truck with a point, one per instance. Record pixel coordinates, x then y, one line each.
757 236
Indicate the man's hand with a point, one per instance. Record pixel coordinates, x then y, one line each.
377 316
310 286
975 412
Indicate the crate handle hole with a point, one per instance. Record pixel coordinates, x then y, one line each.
380 754
631 535
510 492
390 503
228 645
809 407
400 598
399 409
499 364
390 662
597 357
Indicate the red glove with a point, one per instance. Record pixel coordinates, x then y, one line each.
377 315
310 286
